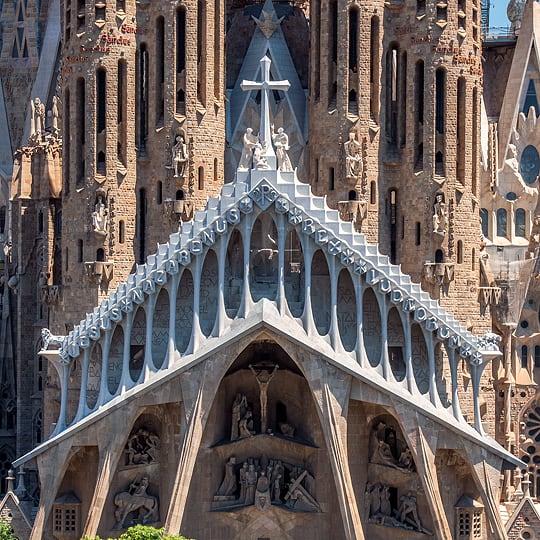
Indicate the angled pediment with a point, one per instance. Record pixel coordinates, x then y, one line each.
268 253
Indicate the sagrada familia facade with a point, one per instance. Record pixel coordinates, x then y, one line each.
269 270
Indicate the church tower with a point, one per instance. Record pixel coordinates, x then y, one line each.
394 134
144 124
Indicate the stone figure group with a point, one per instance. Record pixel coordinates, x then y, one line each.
254 151
242 418
379 508
390 450
252 483
142 448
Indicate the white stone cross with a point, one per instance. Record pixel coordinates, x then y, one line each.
265 86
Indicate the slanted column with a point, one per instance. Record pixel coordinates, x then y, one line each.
430 346
409 372
104 394
196 330
334 327
453 358
361 356
171 346
307 316
149 365
81 411
385 360
282 236
63 367
246 303
222 259
126 382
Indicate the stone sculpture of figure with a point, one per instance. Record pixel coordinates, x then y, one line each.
281 142
243 481
99 216
260 161
262 495
53 115
406 460
238 411
407 510
353 157
263 377
179 157
136 500
276 495
386 507
439 215
245 426
229 484
249 142
39 109
251 484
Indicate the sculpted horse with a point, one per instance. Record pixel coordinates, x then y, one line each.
146 505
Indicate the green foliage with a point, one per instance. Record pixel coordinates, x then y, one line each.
6 532
138 532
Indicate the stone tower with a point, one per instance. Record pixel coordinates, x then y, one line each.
144 125
390 142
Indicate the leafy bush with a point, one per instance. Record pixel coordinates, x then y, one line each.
6 532
138 532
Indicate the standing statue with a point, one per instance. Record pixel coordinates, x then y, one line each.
39 109
251 484
99 216
229 484
180 157
281 142
238 411
54 114
353 157
263 377
439 215
249 142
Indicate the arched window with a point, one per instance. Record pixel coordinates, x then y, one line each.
484 215
179 195
352 195
502 223
439 256
519 222
100 255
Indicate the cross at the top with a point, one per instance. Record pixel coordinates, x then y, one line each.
265 86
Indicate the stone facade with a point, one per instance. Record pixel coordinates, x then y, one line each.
394 118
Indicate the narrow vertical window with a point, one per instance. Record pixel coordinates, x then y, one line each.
315 37
80 254
81 132
159 192
440 98
81 15
67 259
392 57
317 170
373 192
420 8
374 70
519 220
460 252
141 90
461 121
403 99
122 111
417 233
524 357
536 356
100 11
3 214
201 178
393 226
531 100
101 120
331 179
501 223
419 115
180 60
201 52
100 255
67 21
484 215
217 49
160 71
353 39
121 231
66 142
475 139
141 222
332 54
121 6
216 170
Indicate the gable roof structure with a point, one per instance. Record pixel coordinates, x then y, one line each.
293 208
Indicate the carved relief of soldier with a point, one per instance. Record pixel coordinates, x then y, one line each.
276 483
136 506
142 448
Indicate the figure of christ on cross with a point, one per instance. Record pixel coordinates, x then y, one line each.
265 86
264 375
